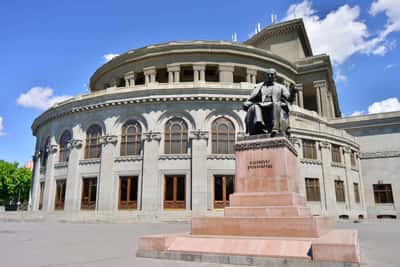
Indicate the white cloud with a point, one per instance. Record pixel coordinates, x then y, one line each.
390 66
40 98
108 57
357 113
1 127
387 105
342 33
340 77
391 8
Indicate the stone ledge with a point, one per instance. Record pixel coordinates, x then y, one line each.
262 141
221 156
174 156
240 260
89 161
128 158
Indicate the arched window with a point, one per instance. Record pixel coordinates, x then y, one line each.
45 151
64 152
176 136
223 136
93 147
131 138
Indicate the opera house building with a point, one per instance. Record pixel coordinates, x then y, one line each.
156 133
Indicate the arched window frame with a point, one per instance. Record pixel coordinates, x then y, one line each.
64 151
223 142
176 141
93 146
131 141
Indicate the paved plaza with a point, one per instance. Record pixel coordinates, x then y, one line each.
49 244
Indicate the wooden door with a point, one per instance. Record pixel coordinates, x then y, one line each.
60 194
174 192
128 189
89 193
223 187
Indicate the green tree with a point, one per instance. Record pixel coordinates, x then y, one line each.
15 182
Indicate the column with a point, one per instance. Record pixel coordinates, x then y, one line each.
129 79
114 83
152 185
35 182
321 88
50 185
106 190
251 75
173 73
73 191
332 106
225 73
327 180
299 94
350 201
199 171
149 75
199 72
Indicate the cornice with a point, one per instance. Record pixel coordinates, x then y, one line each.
131 158
221 157
311 161
380 154
61 111
89 161
254 142
174 157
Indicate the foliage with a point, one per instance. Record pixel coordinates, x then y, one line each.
15 182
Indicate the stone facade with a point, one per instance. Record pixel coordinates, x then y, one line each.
197 84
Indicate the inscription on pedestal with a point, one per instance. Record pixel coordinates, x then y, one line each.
259 164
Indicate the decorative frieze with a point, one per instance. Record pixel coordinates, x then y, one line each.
108 139
198 134
325 145
338 165
263 143
74 144
174 156
53 149
89 161
311 161
130 158
61 165
221 157
150 136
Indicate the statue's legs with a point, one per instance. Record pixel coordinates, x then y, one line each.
276 113
254 120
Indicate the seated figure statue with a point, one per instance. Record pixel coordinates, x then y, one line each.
268 107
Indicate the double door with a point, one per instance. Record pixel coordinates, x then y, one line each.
175 192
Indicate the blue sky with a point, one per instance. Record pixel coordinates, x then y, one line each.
55 46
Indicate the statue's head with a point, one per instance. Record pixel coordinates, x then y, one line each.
270 75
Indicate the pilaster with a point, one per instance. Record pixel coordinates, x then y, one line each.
129 79
149 75
225 73
320 89
151 195
251 75
349 182
35 183
72 193
173 73
329 196
106 183
199 72
299 95
199 171
49 194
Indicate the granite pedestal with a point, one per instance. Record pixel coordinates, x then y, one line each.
267 217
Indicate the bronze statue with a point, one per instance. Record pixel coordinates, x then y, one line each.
268 107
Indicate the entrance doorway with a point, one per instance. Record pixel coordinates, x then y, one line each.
128 188
175 192
89 193
60 194
223 187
